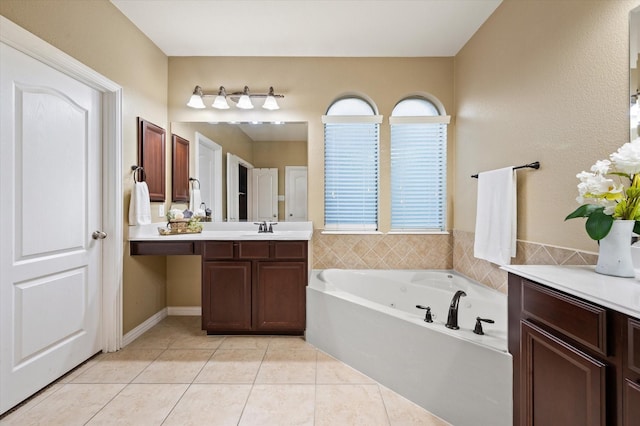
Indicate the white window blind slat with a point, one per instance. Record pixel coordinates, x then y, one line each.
418 175
351 176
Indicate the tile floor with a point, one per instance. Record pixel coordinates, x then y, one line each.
175 374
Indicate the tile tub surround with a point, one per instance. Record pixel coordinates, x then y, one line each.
527 253
432 251
174 374
382 251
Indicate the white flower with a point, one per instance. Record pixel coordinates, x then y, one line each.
627 158
594 185
601 167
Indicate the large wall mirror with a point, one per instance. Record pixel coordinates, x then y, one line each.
249 171
634 79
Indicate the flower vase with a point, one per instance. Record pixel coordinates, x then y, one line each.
614 254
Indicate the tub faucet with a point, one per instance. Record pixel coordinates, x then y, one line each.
452 318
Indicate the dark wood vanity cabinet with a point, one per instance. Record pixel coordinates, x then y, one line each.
574 362
254 287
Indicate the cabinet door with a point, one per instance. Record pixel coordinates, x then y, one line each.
280 296
631 403
226 296
560 384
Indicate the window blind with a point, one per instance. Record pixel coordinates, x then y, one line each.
351 176
418 176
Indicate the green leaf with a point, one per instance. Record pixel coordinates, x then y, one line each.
598 224
636 227
584 210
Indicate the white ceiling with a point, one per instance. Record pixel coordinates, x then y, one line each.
330 28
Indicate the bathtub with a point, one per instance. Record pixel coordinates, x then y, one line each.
368 319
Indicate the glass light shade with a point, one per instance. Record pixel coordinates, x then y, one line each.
220 102
244 102
196 102
270 103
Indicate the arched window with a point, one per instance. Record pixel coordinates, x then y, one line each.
418 166
351 139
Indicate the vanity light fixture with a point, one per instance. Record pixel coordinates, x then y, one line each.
270 102
196 99
241 99
245 101
220 102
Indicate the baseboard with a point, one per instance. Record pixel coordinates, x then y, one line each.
191 311
148 324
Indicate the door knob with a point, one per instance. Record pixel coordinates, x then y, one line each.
99 235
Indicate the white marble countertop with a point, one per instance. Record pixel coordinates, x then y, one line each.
620 294
226 231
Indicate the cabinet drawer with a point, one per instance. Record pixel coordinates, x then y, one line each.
633 351
253 249
218 250
161 248
581 321
290 250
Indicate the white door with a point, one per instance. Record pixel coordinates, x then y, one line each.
265 194
295 193
50 201
209 174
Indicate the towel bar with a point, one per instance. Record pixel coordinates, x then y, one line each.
194 180
534 165
141 174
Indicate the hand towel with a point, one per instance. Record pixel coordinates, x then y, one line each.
195 199
140 206
496 225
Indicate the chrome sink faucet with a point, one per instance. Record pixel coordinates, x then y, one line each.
452 318
263 227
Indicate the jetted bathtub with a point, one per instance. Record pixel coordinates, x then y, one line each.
369 320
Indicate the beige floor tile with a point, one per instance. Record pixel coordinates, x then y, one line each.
207 404
196 342
71 404
245 342
119 367
231 366
279 405
280 343
139 405
330 370
175 366
403 412
288 367
349 405
20 410
155 339
249 380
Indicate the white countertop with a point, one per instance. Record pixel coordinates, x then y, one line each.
620 294
226 231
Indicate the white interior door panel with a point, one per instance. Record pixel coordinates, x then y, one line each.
51 198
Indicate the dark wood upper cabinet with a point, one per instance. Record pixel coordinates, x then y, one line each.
151 155
180 169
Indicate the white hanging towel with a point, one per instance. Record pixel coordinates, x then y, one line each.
140 206
496 222
195 199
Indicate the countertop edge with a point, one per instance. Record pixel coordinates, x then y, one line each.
582 281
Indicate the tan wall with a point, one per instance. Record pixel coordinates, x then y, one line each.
309 86
546 81
540 81
98 35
